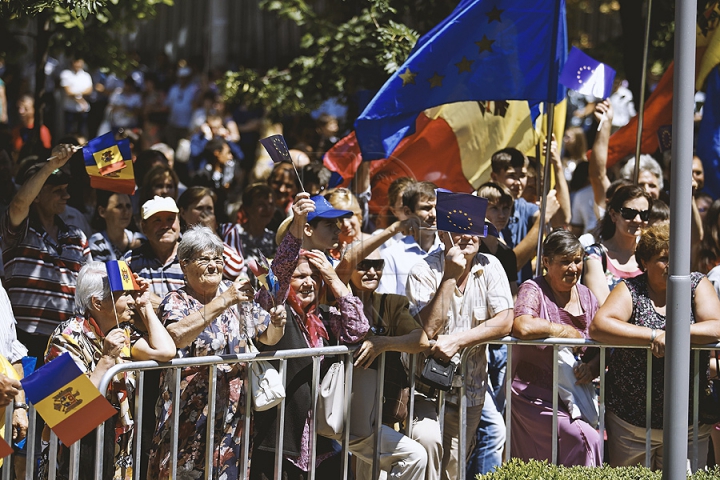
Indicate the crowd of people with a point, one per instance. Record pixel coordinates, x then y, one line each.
207 206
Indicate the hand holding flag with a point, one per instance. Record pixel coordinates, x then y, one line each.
264 274
66 399
463 213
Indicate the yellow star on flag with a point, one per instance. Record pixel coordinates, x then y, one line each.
408 77
494 14
464 65
485 44
436 80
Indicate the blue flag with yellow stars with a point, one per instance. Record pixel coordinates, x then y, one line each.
462 213
486 50
586 75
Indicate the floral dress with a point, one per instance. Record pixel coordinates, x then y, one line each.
83 340
224 335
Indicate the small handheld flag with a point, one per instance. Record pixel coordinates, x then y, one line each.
109 164
586 75
66 399
120 276
664 134
462 213
104 152
278 151
264 274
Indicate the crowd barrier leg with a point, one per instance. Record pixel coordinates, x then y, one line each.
175 422
648 403
601 401
554 458
508 402
313 419
210 425
411 401
279 437
138 419
245 461
30 463
378 416
695 410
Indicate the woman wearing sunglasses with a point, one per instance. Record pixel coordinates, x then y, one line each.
612 260
392 330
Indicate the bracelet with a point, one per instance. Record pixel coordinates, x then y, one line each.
653 335
22 406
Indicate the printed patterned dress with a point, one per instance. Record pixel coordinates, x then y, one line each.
224 335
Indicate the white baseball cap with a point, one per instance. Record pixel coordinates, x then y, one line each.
158 204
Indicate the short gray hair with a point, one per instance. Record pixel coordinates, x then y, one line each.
92 281
647 163
196 240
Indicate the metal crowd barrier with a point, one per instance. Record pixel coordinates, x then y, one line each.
316 353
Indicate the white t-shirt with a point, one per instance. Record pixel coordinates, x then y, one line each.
77 83
583 209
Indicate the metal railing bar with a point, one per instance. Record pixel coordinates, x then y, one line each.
555 407
175 423
210 421
648 407
280 424
138 419
378 416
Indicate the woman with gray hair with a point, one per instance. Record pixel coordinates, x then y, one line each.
204 318
651 175
109 327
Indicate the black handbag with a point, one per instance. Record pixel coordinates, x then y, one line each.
438 374
709 402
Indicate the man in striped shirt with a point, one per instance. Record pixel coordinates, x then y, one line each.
42 254
156 260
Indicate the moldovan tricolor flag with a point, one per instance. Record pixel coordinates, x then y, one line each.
120 277
66 399
486 50
109 164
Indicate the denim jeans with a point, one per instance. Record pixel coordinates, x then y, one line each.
490 436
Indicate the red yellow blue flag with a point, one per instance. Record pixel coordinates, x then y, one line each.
66 399
120 276
104 152
109 164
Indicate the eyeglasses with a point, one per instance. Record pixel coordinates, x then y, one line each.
378 330
631 213
366 265
205 261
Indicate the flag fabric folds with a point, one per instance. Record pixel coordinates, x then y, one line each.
276 148
66 399
658 112
486 50
120 276
586 75
109 164
461 213
708 143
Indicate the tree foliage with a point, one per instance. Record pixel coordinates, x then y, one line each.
343 51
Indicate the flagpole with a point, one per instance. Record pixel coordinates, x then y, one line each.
643 80
550 111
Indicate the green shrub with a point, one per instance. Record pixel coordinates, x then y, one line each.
536 470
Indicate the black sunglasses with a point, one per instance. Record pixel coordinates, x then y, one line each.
366 265
631 213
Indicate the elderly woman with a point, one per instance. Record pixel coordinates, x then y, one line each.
553 305
110 328
634 314
393 331
204 318
611 260
311 323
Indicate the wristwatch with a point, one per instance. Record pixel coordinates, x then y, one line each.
23 406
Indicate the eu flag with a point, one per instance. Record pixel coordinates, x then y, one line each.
462 213
586 75
485 50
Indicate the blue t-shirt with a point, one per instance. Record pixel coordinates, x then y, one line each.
517 228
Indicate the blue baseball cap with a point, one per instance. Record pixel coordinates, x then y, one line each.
323 209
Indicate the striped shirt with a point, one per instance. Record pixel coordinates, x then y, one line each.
41 273
234 263
163 278
103 250
248 246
